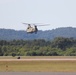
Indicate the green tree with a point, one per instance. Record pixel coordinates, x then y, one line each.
62 43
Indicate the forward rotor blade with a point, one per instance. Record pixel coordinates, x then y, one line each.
25 23
42 24
36 24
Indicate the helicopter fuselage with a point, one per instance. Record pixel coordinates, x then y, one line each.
31 30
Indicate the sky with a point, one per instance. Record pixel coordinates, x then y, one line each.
57 13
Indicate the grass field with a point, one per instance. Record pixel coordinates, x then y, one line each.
38 66
35 57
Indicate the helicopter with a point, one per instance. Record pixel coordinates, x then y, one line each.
32 27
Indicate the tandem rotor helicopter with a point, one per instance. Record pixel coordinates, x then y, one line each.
32 27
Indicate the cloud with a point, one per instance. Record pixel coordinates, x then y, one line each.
6 1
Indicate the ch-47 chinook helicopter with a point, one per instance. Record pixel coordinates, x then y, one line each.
32 28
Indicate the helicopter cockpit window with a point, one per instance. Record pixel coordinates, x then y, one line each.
29 26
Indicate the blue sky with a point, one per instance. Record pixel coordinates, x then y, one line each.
57 13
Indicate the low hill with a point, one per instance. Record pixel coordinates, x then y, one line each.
9 34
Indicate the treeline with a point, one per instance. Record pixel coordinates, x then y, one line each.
10 34
60 46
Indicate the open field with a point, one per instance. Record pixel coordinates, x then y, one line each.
39 57
37 73
38 66
23 65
